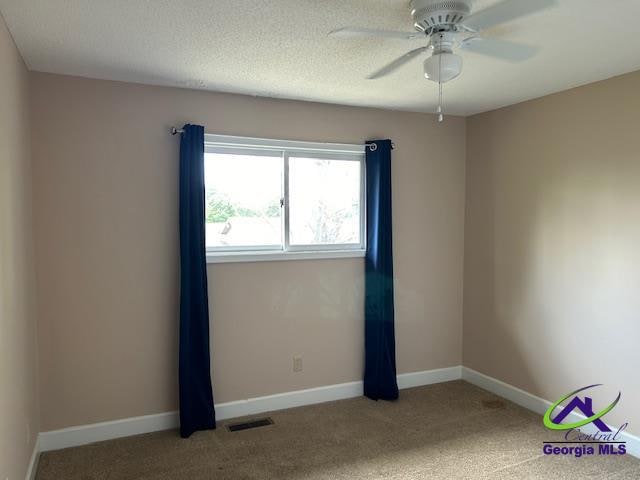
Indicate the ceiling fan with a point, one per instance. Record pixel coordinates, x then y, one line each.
450 25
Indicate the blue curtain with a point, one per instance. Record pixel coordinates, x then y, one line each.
380 349
196 394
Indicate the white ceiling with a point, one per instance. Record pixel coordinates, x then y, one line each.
280 48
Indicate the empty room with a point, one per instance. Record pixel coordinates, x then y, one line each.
284 239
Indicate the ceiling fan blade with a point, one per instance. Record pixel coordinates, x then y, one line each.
504 12
502 49
350 32
397 63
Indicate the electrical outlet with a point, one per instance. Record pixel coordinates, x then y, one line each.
297 363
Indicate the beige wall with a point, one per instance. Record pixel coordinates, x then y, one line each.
106 208
551 258
552 243
18 352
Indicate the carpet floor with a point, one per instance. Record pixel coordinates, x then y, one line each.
443 431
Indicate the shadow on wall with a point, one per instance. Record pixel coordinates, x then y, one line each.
498 239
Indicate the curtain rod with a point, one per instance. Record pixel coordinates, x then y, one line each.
175 131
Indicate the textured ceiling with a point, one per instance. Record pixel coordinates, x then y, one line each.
280 48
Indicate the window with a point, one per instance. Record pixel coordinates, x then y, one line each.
274 199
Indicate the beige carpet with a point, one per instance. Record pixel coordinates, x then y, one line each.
449 430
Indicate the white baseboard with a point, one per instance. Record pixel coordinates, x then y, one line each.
97 432
33 462
328 393
429 377
538 405
280 401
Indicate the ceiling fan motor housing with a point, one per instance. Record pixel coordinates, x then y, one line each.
437 15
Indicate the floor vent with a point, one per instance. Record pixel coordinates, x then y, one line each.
260 422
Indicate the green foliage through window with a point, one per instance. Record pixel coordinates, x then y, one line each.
219 208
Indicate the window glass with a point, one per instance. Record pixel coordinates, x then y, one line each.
242 200
324 201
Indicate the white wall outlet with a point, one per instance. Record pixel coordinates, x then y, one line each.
297 363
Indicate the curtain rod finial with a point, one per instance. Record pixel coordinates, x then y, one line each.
373 147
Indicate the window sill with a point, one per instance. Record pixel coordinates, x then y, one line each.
269 256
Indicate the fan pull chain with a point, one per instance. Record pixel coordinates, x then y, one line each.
439 110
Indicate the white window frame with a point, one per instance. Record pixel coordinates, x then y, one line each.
286 149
